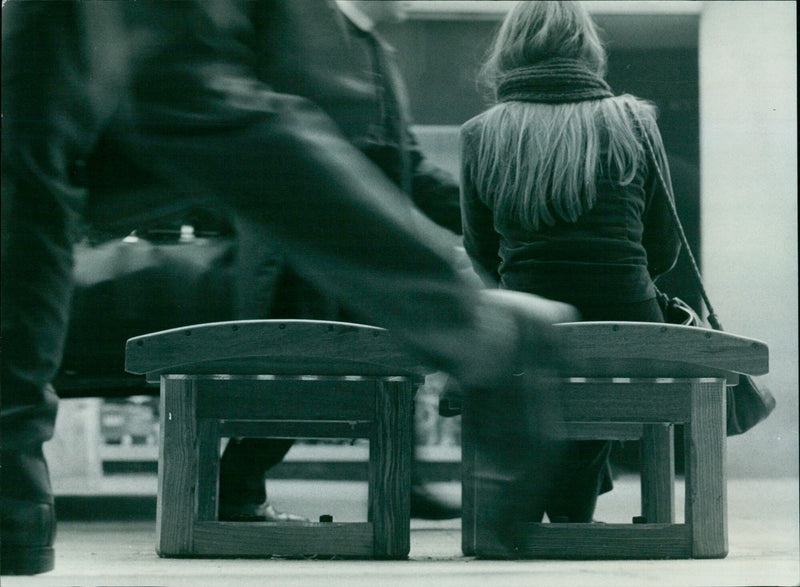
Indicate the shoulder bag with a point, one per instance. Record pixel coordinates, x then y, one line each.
747 403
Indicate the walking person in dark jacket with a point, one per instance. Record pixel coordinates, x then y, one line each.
330 53
172 89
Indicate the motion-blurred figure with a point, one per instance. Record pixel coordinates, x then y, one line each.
331 54
169 93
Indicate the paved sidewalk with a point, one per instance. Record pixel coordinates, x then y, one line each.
763 538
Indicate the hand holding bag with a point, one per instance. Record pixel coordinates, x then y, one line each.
747 403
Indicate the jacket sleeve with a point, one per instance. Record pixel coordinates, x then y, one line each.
481 241
434 190
660 237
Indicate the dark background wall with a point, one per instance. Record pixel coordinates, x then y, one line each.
653 57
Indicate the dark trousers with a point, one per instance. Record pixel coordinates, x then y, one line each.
244 465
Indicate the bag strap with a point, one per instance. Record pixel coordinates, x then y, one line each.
713 319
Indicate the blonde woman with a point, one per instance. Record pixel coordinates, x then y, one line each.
560 196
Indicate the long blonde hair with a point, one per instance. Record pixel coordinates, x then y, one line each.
538 162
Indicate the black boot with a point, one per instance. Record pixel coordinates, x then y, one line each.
583 475
426 505
27 515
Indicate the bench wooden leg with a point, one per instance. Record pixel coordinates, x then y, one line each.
177 472
208 469
658 473
706 492
390 468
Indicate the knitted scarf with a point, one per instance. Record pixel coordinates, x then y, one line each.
552 81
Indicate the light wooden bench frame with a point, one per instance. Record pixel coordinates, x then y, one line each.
286 379
277 378
637 380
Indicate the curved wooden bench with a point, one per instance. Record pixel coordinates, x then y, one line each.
288 379
289 346
642 349
300 378
637 380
